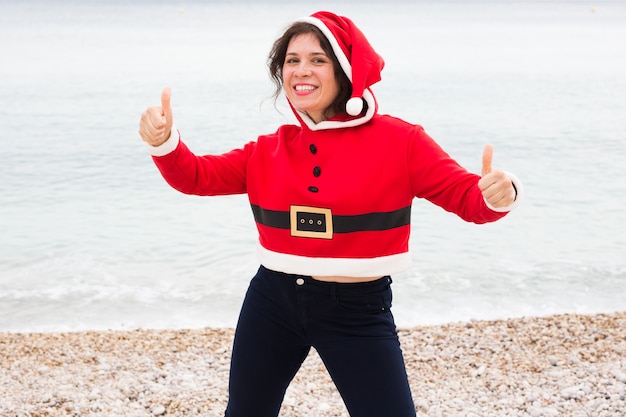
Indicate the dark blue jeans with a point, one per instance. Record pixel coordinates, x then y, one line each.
350 326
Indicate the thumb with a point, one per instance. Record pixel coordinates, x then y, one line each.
166 107
487 158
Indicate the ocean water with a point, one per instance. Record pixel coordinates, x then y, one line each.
91 237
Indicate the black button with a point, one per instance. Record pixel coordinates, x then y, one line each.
313 149
317 171
313 189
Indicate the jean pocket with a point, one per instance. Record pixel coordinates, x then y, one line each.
375 302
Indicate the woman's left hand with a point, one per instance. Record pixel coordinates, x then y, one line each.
496 186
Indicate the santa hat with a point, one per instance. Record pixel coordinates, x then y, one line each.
359 61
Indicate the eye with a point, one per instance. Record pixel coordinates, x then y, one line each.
291 61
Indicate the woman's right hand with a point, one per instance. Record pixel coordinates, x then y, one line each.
155 126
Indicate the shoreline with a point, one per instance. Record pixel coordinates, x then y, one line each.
560 365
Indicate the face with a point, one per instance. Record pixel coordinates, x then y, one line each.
309 77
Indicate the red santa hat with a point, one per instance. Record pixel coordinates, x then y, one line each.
359 61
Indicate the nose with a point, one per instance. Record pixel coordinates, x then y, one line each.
303 70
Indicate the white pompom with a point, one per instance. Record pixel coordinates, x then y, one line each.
354 106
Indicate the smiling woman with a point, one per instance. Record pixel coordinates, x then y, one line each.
332 203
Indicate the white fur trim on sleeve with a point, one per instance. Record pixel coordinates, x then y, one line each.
167 146
519 188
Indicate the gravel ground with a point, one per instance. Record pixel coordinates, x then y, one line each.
565 365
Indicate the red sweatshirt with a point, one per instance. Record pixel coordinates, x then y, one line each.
333 201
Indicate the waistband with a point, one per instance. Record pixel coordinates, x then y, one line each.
340 287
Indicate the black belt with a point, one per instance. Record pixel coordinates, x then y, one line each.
318 222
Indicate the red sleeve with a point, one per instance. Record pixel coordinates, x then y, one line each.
205 175
438 178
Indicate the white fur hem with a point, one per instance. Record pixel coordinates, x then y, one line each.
347 267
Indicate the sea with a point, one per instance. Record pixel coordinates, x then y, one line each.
92 238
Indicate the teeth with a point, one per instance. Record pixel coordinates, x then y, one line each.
305 88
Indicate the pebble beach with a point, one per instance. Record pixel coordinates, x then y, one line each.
562 365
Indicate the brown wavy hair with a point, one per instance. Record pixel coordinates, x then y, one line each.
276 60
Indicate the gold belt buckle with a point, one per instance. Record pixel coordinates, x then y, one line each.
311 222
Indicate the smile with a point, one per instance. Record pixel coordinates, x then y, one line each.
304 88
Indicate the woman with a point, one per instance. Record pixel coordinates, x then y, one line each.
331 198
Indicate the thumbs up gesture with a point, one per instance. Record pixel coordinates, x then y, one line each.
156 122
496 186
